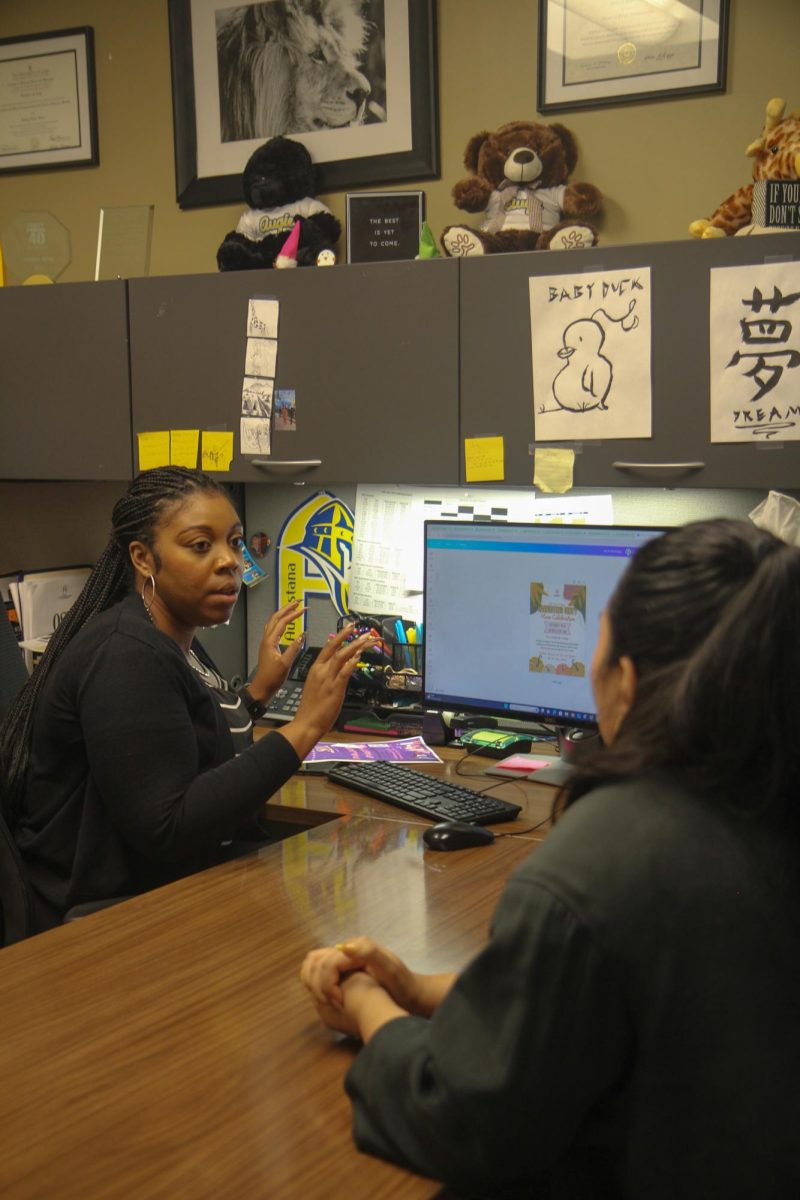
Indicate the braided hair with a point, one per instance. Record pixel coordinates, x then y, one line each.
135 518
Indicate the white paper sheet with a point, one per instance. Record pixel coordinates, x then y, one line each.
590 342
754 353
386 572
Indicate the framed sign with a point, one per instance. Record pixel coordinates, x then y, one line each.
384 226
48 105
594 53
354 80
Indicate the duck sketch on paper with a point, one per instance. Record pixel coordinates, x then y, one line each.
585 379
584 382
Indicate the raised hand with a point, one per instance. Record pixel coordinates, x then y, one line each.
273 664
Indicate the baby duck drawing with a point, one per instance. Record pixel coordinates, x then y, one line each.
583 383
585 379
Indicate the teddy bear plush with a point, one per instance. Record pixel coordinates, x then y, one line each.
518 179
776 155
278 183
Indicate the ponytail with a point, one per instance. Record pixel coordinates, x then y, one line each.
709 613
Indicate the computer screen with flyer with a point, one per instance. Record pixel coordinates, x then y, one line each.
512 612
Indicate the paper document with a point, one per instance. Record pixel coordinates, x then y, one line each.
412 749
386 573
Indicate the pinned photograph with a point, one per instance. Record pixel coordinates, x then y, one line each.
285 411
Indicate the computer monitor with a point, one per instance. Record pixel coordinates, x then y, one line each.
511 616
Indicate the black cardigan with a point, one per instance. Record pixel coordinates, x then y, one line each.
631 1029
132 780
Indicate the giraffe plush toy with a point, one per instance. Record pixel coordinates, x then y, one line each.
776 155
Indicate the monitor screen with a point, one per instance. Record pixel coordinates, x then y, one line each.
511 616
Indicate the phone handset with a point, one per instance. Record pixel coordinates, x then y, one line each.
283 705
302 664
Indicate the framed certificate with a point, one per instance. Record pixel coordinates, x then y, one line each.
48 106
594 53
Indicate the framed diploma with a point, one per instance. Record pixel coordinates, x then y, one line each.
594 53
48 107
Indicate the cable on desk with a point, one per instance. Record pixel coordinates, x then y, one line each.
502 783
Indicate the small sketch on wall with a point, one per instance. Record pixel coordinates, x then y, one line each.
590 341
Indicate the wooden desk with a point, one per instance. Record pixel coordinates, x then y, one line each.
166 1047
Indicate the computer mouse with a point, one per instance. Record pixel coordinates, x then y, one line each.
456 835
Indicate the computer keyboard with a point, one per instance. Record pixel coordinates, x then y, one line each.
423 794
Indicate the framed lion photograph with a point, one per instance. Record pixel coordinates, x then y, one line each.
354 80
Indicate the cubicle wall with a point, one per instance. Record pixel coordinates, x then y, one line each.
371 352
496 386
64 380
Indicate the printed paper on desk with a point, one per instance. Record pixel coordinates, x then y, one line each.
484 459
45 598
412 749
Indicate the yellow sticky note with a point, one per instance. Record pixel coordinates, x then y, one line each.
183 447
484 459
552 469
217 450
153 449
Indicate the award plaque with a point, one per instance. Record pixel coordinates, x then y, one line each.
123 242
35 244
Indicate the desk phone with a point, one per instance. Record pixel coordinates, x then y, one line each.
283 705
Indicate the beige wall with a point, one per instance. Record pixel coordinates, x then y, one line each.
659 164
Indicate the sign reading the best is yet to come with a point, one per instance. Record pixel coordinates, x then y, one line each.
383 226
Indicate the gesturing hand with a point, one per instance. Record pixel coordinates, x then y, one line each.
273 665
323 691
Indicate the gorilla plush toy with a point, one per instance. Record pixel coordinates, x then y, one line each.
279 187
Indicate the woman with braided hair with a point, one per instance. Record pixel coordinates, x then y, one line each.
127 761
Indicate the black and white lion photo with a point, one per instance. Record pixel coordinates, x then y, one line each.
297 66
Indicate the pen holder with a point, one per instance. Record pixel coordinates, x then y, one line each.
407 657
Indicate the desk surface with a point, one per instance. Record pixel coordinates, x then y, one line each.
166 1047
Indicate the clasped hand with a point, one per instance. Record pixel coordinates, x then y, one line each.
358 986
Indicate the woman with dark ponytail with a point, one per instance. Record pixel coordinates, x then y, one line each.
126 760
632 1027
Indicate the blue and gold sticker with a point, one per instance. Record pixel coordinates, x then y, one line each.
313 556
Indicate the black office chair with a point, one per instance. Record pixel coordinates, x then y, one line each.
13 672
16 904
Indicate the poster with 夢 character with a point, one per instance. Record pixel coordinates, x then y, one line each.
558 628
591 345
754 353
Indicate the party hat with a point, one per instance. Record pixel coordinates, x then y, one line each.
287 256
427 243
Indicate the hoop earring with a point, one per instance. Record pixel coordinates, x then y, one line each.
147 607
